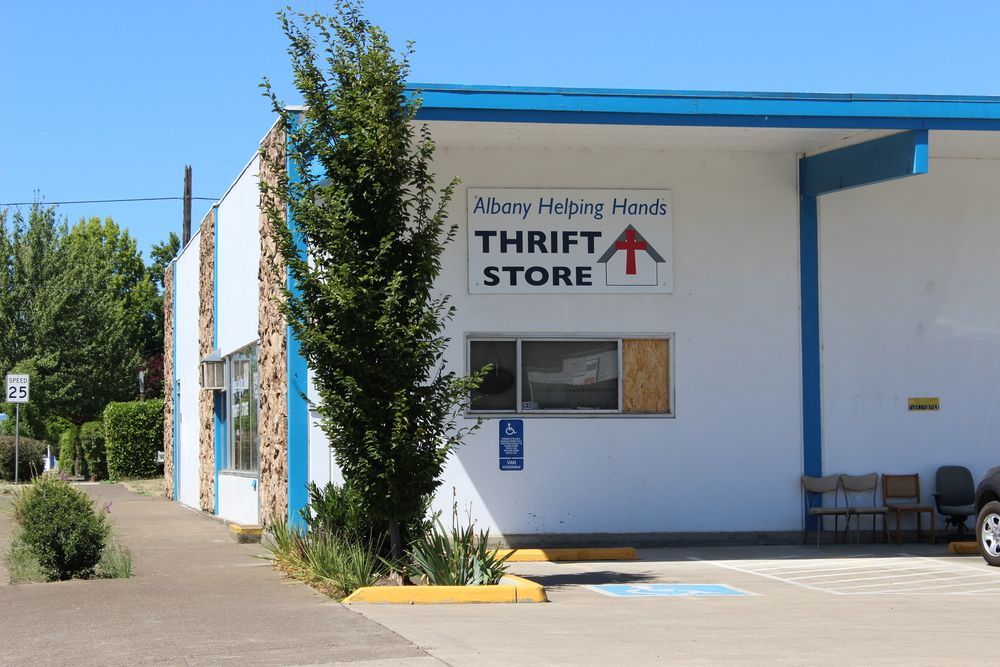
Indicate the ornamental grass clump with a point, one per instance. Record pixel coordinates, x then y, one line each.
60 527
328 562
457 557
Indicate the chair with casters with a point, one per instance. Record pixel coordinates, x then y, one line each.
955 497
814 492
860 496
901 495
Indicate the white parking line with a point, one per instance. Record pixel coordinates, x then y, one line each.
759 574
904 574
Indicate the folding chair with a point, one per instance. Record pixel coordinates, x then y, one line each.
860 495
814 491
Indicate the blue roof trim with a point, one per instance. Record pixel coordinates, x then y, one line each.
718 109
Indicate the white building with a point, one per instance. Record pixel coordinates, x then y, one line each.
693 299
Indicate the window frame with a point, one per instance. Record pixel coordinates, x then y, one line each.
617 338
229 467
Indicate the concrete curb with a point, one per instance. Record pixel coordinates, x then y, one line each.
246 534
963 548
510 589
582 554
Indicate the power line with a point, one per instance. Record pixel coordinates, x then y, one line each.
103 201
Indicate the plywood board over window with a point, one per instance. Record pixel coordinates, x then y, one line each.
646 376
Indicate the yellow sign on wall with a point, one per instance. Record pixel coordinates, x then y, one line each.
924 403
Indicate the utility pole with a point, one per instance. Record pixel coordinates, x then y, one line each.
186 236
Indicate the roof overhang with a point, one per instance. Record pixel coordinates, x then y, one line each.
443 102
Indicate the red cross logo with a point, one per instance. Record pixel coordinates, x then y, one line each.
630 245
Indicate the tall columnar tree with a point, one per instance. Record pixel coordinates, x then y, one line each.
370 228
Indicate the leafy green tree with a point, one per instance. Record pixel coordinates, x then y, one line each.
369 217
104 303
86 309
160 256
29 263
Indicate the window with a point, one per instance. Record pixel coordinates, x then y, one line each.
244 400
576 375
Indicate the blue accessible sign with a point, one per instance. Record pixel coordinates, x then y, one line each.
511 444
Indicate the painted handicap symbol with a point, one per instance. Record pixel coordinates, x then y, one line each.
668 590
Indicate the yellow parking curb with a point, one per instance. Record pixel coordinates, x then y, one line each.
963 548
583 554
245 534
510 589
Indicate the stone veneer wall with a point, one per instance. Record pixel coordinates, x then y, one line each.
206 399
168 382
273 352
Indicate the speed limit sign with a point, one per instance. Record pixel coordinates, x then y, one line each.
17 388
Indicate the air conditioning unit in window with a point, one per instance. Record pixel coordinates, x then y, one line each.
213 374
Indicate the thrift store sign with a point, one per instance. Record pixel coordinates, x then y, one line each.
582 241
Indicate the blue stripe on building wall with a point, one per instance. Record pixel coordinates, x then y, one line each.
215 277
298 409
812 430
176 389
219 415
218 397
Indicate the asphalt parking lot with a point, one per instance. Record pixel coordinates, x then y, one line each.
886 604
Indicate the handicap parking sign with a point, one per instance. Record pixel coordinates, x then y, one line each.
511 444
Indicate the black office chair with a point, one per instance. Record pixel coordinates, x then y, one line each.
955 495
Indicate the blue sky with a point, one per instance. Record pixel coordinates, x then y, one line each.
110 99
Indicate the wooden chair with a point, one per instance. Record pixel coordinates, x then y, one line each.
901 494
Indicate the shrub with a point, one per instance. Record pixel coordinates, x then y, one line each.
340 511
458 558
68 442
92 445
30 454
59 525
133 435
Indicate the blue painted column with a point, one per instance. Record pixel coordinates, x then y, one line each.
218 397
298 383
812 431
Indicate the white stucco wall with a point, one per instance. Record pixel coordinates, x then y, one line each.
186 333
238 498
909 274
730 458
238 253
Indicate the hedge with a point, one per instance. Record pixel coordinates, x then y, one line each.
92 442
68 442
133 434
31 454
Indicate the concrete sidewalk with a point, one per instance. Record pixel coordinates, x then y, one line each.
197 597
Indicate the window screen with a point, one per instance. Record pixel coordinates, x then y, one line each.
569 375
498 390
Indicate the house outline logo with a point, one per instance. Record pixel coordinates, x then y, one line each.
632 242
